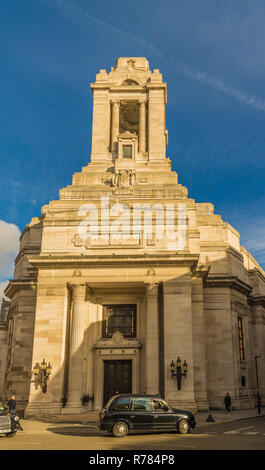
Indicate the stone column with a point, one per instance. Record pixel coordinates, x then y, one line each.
91 339
152 340
115 123
142 126
75 376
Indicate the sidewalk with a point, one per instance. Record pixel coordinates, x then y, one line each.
220 416
90 418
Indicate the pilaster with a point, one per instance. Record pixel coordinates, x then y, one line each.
142 126
100 127
178 340
115 124
152 340
156 124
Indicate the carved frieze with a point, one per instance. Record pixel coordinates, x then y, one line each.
113 240
117 341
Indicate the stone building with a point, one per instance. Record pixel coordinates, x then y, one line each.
125 273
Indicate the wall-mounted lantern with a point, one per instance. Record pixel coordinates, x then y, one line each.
179 374
42 373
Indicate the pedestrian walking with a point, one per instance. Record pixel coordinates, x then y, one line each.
227 401
12 405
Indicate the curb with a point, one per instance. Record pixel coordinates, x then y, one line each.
50 420
198 425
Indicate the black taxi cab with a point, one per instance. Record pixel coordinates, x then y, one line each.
8 424
135 412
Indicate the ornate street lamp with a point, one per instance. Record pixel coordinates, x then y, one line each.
179 374
42 372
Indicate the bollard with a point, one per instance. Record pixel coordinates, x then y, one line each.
210 419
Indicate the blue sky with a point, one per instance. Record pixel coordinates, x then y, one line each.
211 54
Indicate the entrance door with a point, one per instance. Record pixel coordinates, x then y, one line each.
117 378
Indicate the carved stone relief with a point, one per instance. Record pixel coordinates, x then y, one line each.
124 178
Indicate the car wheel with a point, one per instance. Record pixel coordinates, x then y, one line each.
120 429
183 426
11 434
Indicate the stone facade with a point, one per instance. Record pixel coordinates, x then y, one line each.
125 233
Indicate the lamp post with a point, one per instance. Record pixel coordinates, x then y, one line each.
43 372
179 374
257 376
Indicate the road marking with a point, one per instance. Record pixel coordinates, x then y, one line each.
236 431
251 433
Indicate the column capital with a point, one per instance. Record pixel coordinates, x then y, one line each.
78 290
115 101
152 289
142 100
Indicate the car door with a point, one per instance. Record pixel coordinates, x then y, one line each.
120 410
163 417
141 414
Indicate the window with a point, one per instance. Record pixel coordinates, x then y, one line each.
160 405
123 404
243 381
142 404
127 151
2 408
129 117
130 82
241 339
110 403
120 318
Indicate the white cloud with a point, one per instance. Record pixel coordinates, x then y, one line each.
9 247
251 100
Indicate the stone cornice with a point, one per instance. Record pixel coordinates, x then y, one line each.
31 225
27 250
234 252
85 260
228 281
16 285
257 300
256 272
